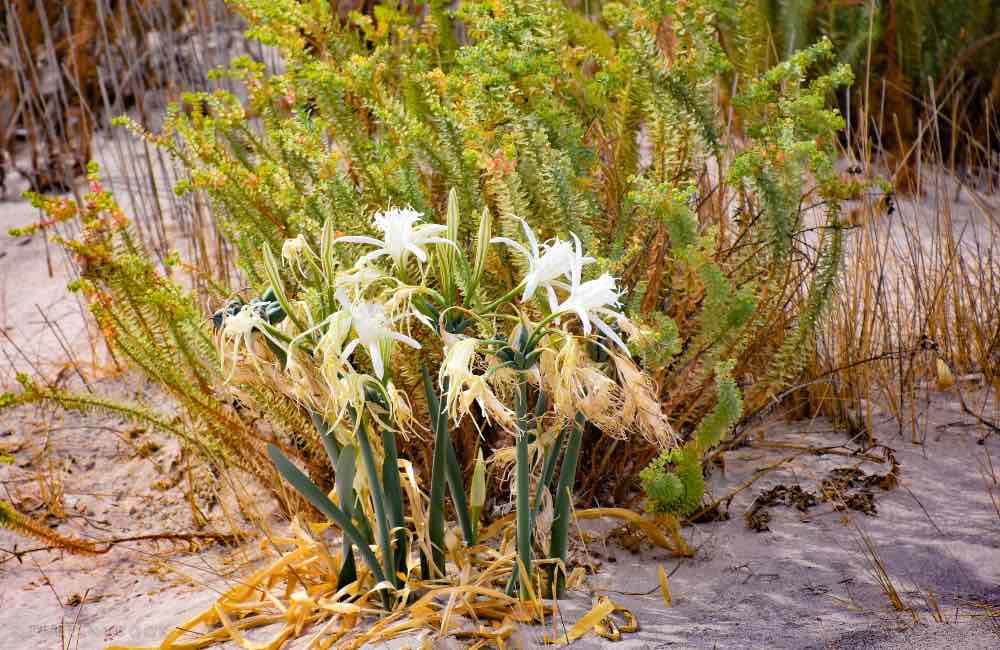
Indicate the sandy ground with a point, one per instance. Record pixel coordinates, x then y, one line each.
97 478
33 277
43 324
804 583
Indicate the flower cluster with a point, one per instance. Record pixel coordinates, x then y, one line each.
332 336
373 308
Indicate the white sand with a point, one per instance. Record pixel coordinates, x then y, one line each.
806 583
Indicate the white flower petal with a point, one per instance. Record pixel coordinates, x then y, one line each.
348 349
403 338
376 355
530 234
530 285
553 300
610 333
368 257
513 244
442 240
430 229
417 251
357 239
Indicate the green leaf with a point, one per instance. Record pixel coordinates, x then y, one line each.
435 515
273 273
344 479
548 469
326 437
455 484
315 496
348 571
522 504
378 501
394 495
564 502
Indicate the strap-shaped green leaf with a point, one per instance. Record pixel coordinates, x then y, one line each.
435 515
563 503
378 500
548 469
344 480
394 495
315 496
522 502
455 484
326 437
273 272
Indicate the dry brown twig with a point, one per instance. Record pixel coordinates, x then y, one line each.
228 539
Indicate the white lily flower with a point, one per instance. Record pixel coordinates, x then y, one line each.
373 327
293 249
400 410
456 370
331 345
344 393
477 390
546 264
591 299
465 388
401 235
238 329
358 278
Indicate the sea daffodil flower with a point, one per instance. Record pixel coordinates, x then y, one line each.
293 249
592 299
238 328
373 327
546 263
456 370
358 279
401 235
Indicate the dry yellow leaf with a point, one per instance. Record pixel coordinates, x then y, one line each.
588 622
318 527
665 587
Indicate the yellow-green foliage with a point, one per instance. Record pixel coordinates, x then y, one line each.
604 126
926 37
153 324
674 481
925 52
601 126
24 525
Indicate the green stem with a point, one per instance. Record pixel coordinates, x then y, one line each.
541 330
501 300
523 501
564 501
394 495
548 469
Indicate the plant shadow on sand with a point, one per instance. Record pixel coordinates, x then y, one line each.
809 581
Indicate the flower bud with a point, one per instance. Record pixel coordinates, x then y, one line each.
477 492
